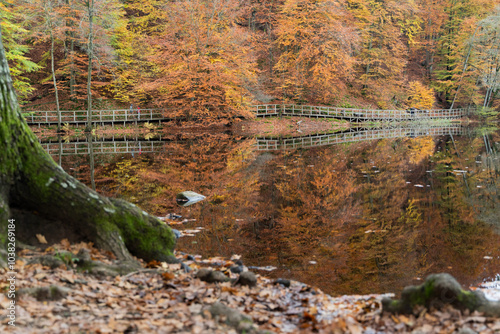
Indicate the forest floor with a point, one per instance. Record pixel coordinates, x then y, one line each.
57 297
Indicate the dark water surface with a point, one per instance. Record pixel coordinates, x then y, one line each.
351 216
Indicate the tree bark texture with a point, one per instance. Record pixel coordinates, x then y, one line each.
43 199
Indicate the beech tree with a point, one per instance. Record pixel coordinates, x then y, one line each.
316 50
200 60
433 16
43 199
383 57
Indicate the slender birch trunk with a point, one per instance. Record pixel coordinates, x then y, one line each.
54 81
89 75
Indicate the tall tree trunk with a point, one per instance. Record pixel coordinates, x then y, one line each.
367 68
487 97
71 52
55 82
72 73
43 199
89 75
91 162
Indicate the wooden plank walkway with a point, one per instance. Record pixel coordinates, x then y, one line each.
135 116
269 144
356 115
79 117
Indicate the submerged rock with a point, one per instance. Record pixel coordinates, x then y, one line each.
177 233
187 198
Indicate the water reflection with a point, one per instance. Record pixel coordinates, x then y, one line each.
358 217
356 135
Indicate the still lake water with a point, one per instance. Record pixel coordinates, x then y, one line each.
341 212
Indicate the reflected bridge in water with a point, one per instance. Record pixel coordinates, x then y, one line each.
112 145
139 145
355 135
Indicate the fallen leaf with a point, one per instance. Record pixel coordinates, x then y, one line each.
167 276
41 239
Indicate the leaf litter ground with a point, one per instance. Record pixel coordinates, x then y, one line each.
164 298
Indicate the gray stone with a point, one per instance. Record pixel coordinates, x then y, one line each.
177 233
466 330
48 261
46 293
211 276
283 281
247 278
233 318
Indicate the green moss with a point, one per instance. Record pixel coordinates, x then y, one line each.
428 289
66 257
86 266
144 235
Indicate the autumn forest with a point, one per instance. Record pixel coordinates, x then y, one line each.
214 58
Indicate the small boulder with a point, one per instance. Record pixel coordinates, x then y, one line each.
46 293
282 281
211 276
49 261
437 291
247 278
236 269
233 318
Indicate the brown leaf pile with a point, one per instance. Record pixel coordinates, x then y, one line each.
166 299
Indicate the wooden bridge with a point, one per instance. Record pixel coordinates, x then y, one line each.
268 144
102 117
135 116
357 115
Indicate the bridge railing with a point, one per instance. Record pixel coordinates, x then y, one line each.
80 116
351 113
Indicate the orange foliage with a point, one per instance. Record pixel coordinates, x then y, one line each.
200 61
316 47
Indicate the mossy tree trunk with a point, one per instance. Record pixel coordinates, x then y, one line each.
43 199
